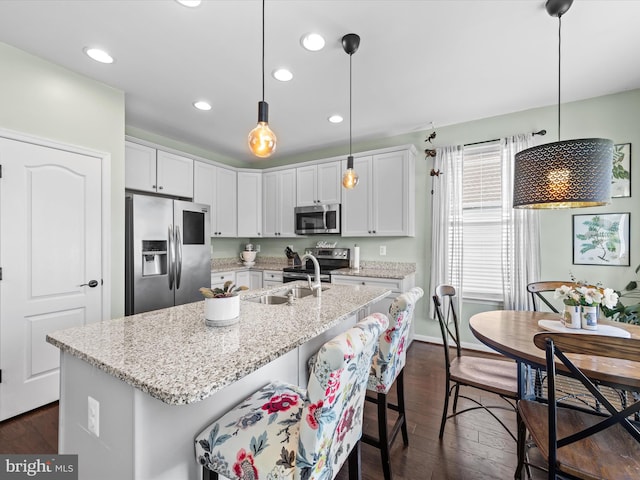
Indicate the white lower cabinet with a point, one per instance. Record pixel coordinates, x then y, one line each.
249 278
271 278
218 279
397 286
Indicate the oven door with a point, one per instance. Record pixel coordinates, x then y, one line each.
295 276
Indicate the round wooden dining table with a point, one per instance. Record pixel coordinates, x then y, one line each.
511 332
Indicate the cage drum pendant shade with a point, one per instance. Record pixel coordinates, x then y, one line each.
565 174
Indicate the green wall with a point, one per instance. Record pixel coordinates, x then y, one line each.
48 101
614 116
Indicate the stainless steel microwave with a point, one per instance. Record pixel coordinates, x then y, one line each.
318 219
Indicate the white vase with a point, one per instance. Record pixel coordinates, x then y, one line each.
221 312
590 317
572 316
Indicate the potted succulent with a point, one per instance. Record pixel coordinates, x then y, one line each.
222 305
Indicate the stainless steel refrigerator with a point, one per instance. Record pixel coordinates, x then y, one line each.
168 252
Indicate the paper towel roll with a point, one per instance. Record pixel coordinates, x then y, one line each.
355 260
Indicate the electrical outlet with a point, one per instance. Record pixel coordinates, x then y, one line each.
383 250
93 420
258 248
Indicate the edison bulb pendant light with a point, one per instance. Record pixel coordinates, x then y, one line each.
262 140
350 177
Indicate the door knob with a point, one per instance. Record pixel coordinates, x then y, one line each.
91 284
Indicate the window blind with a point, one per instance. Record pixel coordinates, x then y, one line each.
482 222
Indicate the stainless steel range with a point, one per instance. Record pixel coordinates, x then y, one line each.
328 258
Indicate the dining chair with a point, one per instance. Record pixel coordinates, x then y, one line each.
540 291
580 443
285 431
491 375
387 369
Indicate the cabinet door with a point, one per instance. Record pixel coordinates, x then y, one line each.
255 280
226 203
204 181
356 203
307 193
139 167
329 182
287 201
175 175
249 204
390 195
270 212
243 278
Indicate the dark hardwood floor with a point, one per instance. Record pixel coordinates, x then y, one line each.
474 446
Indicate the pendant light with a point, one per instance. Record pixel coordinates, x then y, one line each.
262 140
350 44
563 174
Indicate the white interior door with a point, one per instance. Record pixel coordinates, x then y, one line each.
50 249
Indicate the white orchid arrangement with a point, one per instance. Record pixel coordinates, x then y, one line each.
581 294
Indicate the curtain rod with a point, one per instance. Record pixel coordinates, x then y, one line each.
541 132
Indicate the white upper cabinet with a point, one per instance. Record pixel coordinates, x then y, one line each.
279 201
319 183
151 170
249 204
383 202
139 167
216 187
174 175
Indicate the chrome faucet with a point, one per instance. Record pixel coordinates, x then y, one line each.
316 287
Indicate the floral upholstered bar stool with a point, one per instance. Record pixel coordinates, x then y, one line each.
386 369
285 432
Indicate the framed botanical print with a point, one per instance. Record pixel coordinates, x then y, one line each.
621 178
601 239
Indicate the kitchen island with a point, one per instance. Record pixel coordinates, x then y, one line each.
160 377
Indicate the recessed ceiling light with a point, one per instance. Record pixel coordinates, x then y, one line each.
189 3
282 74
312 42
335 119
202 105
98 55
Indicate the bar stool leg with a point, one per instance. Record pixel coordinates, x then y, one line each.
383 439
355 462
402 418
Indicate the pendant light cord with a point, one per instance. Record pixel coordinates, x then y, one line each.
350 101
559 66
263 50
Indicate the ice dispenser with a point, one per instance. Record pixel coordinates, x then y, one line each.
154 257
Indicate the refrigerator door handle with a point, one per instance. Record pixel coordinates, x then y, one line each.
171 257
178 245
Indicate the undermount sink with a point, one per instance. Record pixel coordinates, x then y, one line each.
269 299
301 292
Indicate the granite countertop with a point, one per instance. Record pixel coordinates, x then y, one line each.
173 356
396 270
235 264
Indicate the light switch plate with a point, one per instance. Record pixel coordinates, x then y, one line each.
93 420
383 250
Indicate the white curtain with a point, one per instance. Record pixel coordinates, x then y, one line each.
446 221
521 234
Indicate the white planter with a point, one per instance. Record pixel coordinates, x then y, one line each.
572 316
221 312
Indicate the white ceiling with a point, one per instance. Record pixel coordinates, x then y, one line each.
419 62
